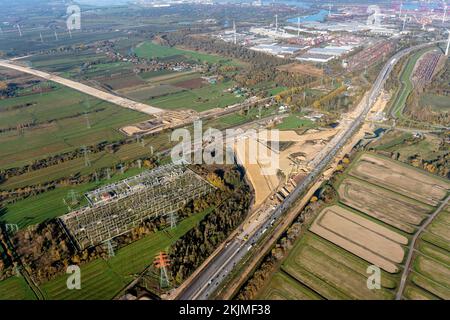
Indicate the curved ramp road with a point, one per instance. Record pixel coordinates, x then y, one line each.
121 102
211 276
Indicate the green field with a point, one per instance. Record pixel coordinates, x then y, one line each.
68 133
406 84
293 122
15 288
283 287
150 50
333 272
37 209
201 99
436 102
102 280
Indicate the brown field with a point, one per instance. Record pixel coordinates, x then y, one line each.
122 82
301 69
366 239
191 83
401 179
397 211
334 275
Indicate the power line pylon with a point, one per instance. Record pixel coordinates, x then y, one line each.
162 262
110 249
87 162
173 220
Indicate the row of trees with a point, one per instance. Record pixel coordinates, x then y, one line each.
194 247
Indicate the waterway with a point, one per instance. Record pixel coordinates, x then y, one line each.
317 17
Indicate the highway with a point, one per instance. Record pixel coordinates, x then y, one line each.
99 94
212 275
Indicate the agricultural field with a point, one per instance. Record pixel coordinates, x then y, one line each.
371 222
430 274
401 178
16 288
320 269
360 236
151 50
293 122
103 279
406 147
62 120
400 212
438 103
200 99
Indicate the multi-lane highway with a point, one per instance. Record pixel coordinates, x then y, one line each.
212 275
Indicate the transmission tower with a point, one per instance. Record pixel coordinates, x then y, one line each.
108 173
162 262
173 220
87 162
139 163
71 199
110 249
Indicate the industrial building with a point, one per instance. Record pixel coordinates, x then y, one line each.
119 207
326 54
278 50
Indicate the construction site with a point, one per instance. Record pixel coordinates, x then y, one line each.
117 208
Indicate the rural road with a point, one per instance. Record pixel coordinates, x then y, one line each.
99 94
412 245
205 282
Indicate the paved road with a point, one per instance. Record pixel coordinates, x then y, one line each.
412 245
122 102
209 279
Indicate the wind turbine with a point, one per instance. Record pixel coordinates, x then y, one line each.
448 43
401 7
445 12
234 32
20 31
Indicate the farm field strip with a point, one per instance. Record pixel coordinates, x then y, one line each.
395 210
63 135
364 238
314 264
16 288
399 178
283 287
